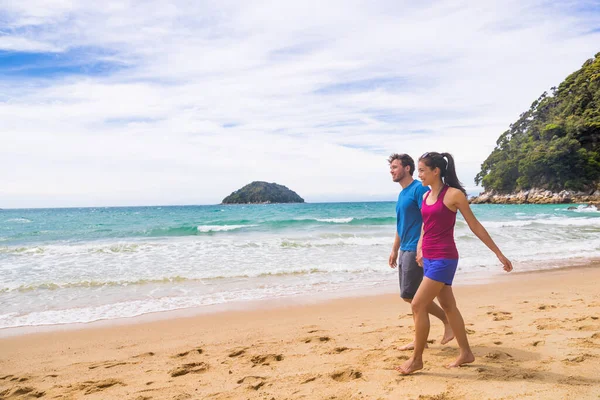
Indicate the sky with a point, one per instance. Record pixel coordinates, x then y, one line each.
155 103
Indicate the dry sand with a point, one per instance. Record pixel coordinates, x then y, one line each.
535 336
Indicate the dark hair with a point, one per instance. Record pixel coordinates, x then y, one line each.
445 163
404 159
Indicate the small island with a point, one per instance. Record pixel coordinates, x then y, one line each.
262 193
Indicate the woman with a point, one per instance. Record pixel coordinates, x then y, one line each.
437 253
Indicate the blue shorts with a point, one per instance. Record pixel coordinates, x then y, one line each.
440 269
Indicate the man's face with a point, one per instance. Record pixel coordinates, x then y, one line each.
398 171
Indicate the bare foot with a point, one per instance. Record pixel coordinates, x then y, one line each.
411 365
448 334
462 359
410 346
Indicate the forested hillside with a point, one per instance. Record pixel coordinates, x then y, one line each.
554 145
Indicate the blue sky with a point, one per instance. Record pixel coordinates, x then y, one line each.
134 103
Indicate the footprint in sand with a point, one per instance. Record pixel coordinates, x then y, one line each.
578 359
592 317
191 368
587 328
254 382
500 315
581 343
195 351
440 396
89 387
266 359
143 355
109 364
238 352
308 380
346 375
544 324
395 360
23 391
13 378
498 355
338 350
316 338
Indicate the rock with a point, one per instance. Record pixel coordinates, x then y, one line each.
537 196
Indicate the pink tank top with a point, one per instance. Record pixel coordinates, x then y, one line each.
438 229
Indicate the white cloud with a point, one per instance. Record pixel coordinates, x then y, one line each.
193 100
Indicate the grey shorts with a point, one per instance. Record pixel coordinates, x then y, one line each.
409 274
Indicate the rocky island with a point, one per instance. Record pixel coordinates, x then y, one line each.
262 193
551 154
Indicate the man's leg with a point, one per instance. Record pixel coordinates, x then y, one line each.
411 276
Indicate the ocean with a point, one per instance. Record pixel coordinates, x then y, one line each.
78 265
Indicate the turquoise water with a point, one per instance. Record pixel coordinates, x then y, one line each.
80 265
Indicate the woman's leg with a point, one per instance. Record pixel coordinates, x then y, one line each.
448 303
428 290
436 311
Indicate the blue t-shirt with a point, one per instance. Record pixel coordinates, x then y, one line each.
408 215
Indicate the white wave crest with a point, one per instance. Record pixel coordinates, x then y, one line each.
595 222
19 220
336 220
221 228
585 209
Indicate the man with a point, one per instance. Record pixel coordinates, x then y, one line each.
408 232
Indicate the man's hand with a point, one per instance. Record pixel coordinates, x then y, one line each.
393 261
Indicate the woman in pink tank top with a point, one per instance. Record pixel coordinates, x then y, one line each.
438 256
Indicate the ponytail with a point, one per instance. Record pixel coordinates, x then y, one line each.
449 176
445 162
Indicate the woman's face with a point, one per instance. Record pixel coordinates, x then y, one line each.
428 175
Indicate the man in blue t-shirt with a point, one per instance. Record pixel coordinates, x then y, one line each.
408 232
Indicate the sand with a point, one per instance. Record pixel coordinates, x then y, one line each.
535 336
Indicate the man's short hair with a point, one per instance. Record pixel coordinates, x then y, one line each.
404 159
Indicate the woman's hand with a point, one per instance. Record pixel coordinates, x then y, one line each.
420 258
505 262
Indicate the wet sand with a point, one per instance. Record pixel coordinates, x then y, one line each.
534 335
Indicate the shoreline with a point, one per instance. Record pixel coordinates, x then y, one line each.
535 334
299 300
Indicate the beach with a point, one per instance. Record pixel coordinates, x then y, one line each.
535 335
